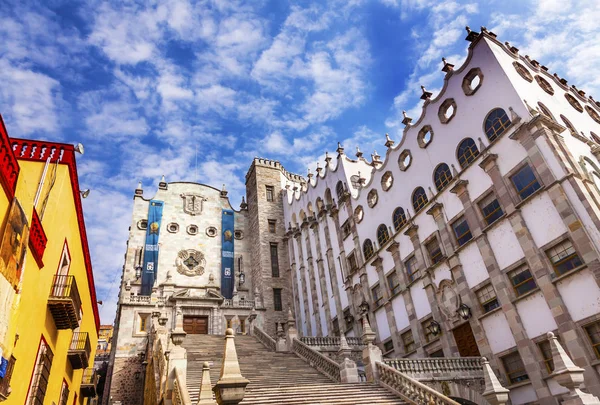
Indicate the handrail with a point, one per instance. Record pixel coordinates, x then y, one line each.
321 362
66 287
410 389
426 366
330 341
265 339
181 395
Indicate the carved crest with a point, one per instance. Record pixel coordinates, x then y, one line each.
448 298
190 262
192 203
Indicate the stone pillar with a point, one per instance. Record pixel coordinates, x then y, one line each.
315 226
371 353
303 282
291 332
493 392
314 294
348 369
177 354
280 343
206 394
231 387
411 232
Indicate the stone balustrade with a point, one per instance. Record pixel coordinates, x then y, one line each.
146 300
331 342
180 392
439 368
264 338
238 304
317 360
410 389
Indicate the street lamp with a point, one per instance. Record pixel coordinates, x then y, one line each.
364 307
434 328
138 272
464 311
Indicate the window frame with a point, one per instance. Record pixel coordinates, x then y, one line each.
277 299
460 238
275 272
43 363
435 255
468 158
510 373
563 260
270 193
442 176
383 234
548 361
595 346
492 216
401 215
377 295
351 258
370 250
515 272
272 225
491 125
420 200
529 185
414 273
484 304
408 343
393 287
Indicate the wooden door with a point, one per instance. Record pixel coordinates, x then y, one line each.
465 340
195 325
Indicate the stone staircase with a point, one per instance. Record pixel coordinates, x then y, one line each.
275 378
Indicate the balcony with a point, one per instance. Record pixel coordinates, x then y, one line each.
64 302
79 351
89 383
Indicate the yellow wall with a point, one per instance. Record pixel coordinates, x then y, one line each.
33 319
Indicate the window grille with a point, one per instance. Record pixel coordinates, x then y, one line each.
419 199
467 152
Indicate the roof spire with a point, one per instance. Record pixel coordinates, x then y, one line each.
340 149
426 94
223 191
243 205
388 141
407 120
358 152
448 67
471 35
327 158
139 190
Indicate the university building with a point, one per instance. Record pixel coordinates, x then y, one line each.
475 235
48 313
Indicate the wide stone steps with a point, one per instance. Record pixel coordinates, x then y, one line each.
275 378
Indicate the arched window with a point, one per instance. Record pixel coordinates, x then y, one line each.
398 218
467 152
569 126
328 199
442 176
496 123
339 189
419 198
546 111
368 249
382 234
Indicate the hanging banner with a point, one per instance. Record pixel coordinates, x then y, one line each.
150 268
227 278
13 245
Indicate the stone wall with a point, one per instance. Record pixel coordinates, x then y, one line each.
127 387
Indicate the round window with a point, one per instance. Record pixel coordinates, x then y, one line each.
425 136
472 81
192 229
372 198
544 84
238 234
172 227
405 160
522 70
359 214
211 231
142 224
387 180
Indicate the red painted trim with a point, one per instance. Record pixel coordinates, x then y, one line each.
65 245
9 167
37 239
37 354
40 151
75 399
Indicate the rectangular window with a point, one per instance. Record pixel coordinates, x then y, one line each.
487 298
41 374
393 284
388 346
143 322
563 257
515 370
522 280
277 299
412 268
490 208
5 381
274 260
346 229
336 327
525 182
270 193
462 231
437 353
64 394
593 332
409 342
352 262
377 298
546 351
348 318
434 250
272 225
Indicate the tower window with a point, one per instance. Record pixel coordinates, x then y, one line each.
382 235
419 199
270 193
277 306
272 225
274 260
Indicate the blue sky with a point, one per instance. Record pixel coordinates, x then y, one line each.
195 89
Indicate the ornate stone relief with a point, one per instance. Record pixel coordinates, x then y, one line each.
192 203
448 299
190 262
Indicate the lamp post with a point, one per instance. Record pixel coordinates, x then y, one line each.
434 328
464 311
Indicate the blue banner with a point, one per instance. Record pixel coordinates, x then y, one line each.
150 268
227 278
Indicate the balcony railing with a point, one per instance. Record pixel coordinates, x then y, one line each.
65 303
9 168
37 239
89 383
79 351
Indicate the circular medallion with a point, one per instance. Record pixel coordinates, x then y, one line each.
190 262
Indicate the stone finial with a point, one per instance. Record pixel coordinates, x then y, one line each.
327 158
388 141
290 317
343 343
318 169
340 149
514 117
359 154
471 35
407 120
454 171
567 374
243 205
494 392
368 336
426 94
231 387
375 157
309 175
448 67
162 184
206 396
223 191
481 145
532 111
139 190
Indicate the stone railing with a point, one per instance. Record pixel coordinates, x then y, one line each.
330 341
317 360
146 299
180 392
265 339
410 389
439 367
238 304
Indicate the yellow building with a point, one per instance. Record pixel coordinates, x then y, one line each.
48 313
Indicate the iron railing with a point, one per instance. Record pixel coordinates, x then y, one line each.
66 287
80 341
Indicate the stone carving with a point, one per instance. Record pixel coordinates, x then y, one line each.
448 299
190 262
192 203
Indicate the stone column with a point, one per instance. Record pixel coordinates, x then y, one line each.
303 282
294 277
348 369
371 353
335 283
311 275
321 271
